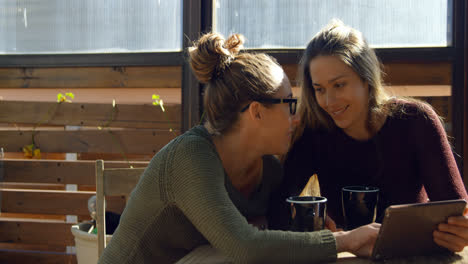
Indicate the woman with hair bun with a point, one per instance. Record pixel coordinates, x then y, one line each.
215 183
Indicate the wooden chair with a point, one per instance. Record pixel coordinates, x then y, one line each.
111 182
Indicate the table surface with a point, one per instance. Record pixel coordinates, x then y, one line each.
208 255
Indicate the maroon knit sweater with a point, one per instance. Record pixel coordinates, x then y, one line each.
409 159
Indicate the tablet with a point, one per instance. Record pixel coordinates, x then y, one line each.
407 229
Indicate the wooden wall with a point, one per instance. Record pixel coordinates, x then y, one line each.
91 77
42 198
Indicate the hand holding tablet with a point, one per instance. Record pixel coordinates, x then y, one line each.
454 233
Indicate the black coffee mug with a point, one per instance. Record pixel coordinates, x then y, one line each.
308 213
359 205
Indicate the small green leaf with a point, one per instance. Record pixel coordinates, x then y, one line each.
71 95
59 97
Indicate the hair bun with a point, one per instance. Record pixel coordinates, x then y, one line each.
211 54
234 43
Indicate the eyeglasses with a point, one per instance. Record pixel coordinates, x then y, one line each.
291 101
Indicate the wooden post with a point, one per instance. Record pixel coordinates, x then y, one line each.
100 207
190 85
197 15
458 83
465 140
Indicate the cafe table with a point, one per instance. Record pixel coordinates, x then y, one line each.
208 255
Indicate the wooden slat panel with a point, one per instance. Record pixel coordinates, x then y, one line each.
420 90
15 217
36 233
37 247
36 257
37 186
51 218
53 202
418 74
44 155
94 95
114 156
401 73
87 188
121 181
43 186
408 90
42 171
91 77
128 141
63 172
133 116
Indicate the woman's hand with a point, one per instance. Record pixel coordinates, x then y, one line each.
331 225
453 234
359 241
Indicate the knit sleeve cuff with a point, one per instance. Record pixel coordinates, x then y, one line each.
329 244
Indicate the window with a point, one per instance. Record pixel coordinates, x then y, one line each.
292 23
90 26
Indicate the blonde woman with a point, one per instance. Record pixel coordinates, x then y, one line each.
353 133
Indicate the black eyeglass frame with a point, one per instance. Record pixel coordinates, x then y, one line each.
291 101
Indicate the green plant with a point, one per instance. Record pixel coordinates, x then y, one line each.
114 138
32 150
158 101
68 97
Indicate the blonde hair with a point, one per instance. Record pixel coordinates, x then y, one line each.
349 45
232 78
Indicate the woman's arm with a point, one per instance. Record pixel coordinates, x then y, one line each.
436 162
197 180
442 179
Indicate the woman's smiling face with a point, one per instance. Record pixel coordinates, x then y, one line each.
341 93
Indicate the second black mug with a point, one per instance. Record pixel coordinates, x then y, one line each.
359 205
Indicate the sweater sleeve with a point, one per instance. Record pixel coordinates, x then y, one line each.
436 162
197 183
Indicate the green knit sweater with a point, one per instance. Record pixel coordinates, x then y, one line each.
181 202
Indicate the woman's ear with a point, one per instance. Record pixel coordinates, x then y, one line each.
256 111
